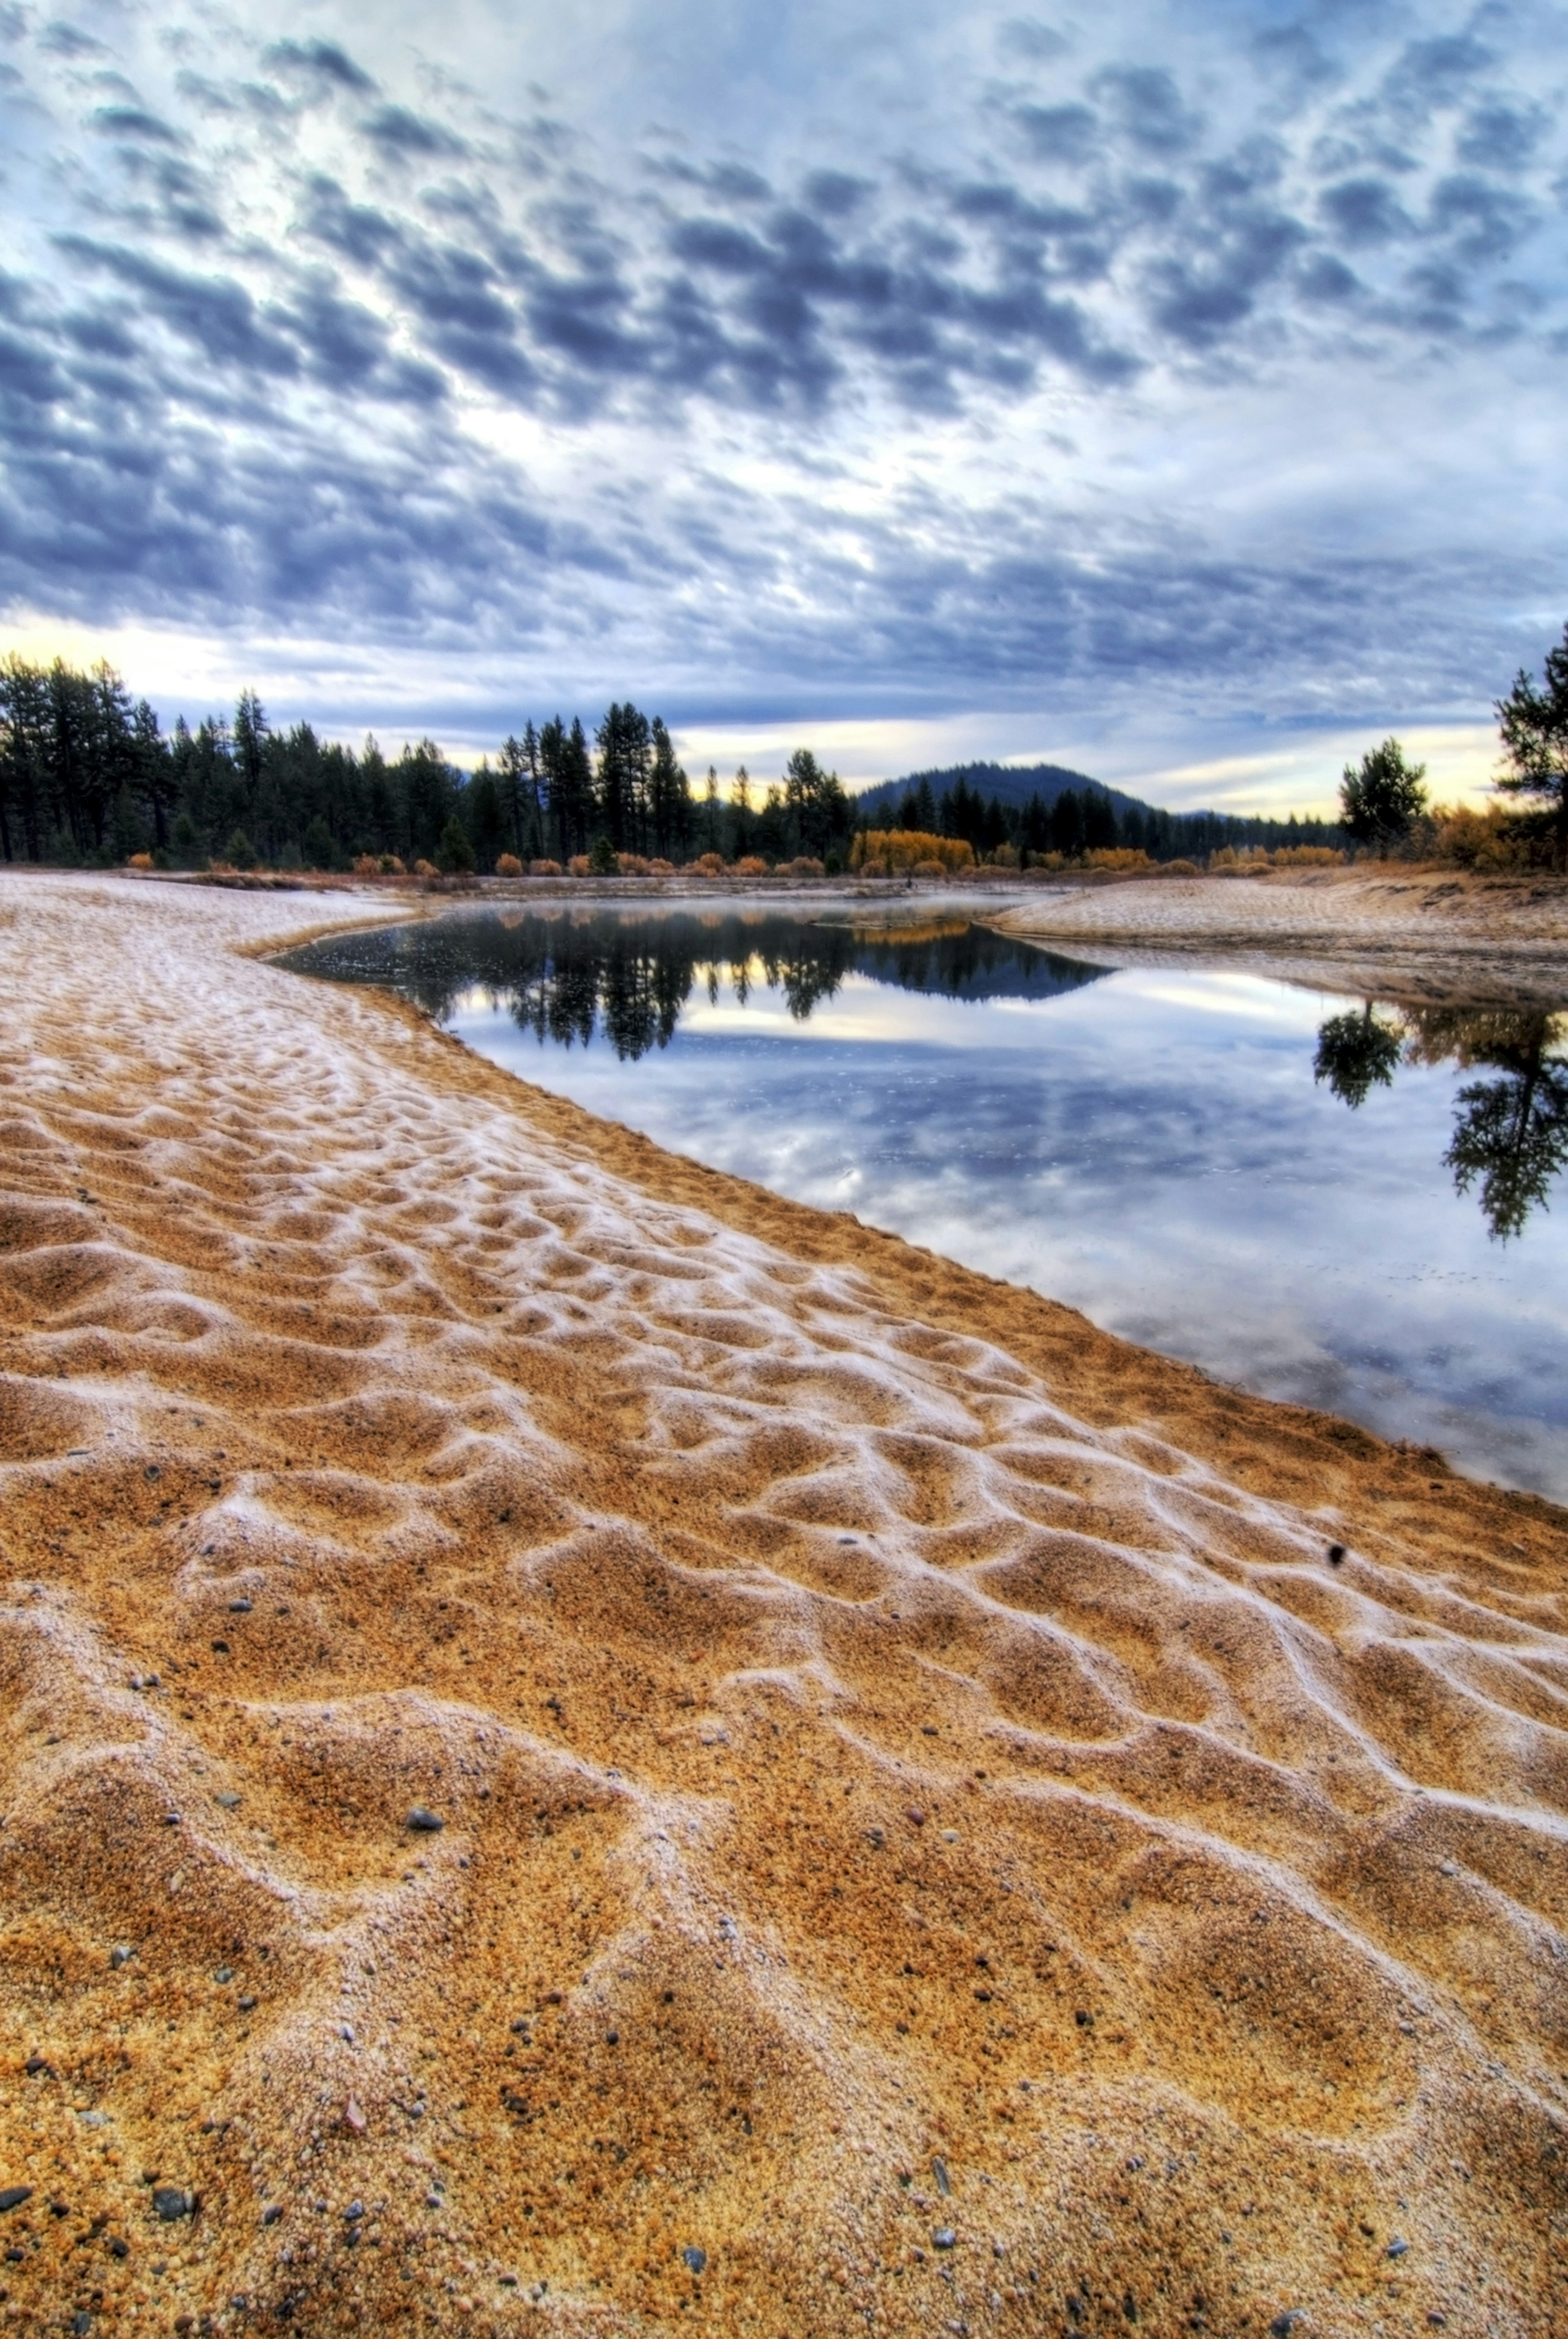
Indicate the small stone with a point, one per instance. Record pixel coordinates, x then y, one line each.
424 1822
271 2214
945 2238
1448 1867
81 2323
224 1973
1397 2250
220 1648
354 2118
1336 1559
171 2202
117 2248
345 2033
34 2065
949 1835
239 1607
228 1800
695 2259
943 2182
353 2213
916 1818
247 2005
434 2201
13 2195
1284 2324
120 1957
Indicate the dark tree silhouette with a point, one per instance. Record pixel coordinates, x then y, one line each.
1355 1053
1512 1133
1534 726
1380 798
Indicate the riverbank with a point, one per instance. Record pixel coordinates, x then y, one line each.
1418 935
944 1814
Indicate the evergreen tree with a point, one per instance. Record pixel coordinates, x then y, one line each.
1382 797
1535 726
669 795
484 817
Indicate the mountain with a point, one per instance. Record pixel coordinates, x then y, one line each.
1012 784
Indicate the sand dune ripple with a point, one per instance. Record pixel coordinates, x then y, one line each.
931 1839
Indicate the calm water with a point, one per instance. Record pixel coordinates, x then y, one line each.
1320 1198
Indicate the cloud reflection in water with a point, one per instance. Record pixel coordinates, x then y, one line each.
1151 1148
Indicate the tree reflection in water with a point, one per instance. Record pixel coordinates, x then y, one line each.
1511 1133
566 976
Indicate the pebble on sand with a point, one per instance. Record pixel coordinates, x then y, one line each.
425 1822
171 2202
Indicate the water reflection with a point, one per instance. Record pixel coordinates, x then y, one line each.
1510 1134
573 976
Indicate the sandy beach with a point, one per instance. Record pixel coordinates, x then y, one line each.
588 1749
1417 935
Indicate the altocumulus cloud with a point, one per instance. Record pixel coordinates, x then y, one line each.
1072 371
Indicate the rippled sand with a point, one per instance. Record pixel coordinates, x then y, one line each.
933 1838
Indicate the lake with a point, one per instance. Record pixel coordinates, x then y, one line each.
1332 1201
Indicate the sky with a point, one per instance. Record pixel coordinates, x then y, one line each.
1174 388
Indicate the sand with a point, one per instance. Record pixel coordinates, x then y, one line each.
934 1839
1419 935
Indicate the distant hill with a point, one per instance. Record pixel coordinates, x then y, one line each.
1012 784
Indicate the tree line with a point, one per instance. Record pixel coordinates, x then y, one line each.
88 776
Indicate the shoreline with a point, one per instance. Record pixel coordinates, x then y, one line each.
877 1719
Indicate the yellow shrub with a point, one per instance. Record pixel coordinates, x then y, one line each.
1122 858
1306 857
707 865
1175 869
579 865
631 865
1479 840
509 865
140 861
367 865
897 849
544 869
426 869
391 866
750 867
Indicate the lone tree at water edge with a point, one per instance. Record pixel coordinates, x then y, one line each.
1534 726
1379 801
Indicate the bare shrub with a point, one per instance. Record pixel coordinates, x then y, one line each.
509 865
750 867
580 866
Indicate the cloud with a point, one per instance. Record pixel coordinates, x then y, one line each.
404 135
990 377
317 61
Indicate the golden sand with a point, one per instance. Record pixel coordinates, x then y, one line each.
933 1837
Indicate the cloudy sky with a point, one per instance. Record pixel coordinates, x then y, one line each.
1173 387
